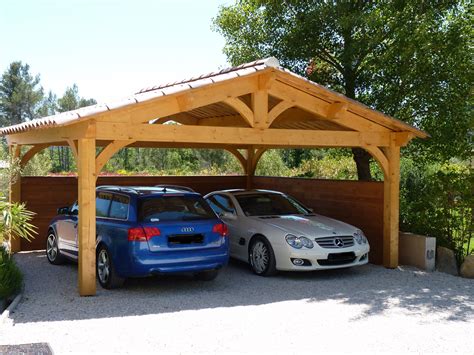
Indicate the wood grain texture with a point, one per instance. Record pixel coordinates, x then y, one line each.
355 202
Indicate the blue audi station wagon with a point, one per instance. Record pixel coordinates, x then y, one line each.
144 231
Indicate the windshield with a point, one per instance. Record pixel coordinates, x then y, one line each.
270 204
174 208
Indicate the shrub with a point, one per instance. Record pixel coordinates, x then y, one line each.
437 200
328 167
11 278
271 164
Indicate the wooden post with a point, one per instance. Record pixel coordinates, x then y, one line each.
15 194
391 207
260 108
249 169
86 228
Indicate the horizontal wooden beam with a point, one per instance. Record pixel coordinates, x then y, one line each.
53 134
239 136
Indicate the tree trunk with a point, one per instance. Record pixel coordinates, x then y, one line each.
362 160
361 156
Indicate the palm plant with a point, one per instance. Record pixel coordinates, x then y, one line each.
15 218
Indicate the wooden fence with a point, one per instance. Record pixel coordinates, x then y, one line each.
354 202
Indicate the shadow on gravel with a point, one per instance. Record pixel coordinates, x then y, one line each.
51 292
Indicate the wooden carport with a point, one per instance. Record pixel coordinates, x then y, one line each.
245 110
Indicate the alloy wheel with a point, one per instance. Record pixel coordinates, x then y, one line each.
52 247
260 257
103 266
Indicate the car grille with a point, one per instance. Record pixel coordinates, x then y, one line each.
337 259
334 242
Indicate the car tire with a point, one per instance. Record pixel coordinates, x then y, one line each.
52 250
207 275
262 257
106 274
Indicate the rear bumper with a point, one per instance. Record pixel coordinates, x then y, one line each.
146 263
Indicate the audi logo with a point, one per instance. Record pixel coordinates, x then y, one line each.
187 229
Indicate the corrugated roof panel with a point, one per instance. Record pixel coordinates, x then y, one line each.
157 91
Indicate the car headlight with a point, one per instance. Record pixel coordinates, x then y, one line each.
360 237
299 242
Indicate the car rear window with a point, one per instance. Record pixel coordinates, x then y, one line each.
174 208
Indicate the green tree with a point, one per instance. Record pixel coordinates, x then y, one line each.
20 94
410 59
49 105
71 100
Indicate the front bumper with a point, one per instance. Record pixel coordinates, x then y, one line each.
319 258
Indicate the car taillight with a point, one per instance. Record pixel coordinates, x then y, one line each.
140 234
151 232
220 228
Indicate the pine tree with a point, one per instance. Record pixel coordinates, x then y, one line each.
20 94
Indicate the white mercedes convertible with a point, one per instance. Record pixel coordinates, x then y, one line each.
272 231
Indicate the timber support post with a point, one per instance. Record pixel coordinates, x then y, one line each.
86 172
15 193
391 207
249 171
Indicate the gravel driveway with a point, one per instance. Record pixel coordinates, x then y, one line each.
368 309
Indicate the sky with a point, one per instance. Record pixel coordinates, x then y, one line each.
111 48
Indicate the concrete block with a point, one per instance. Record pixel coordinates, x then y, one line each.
417 250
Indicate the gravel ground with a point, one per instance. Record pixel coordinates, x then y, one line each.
368 309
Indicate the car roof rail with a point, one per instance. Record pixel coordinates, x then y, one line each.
174 187
116 188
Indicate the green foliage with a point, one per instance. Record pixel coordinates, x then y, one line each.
8 174
342 168
410 59
271 164
20 94
11 279
154 161
437 200
39 165
15 219
72 101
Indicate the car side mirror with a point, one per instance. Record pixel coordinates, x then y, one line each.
228 215
63 210
311 210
